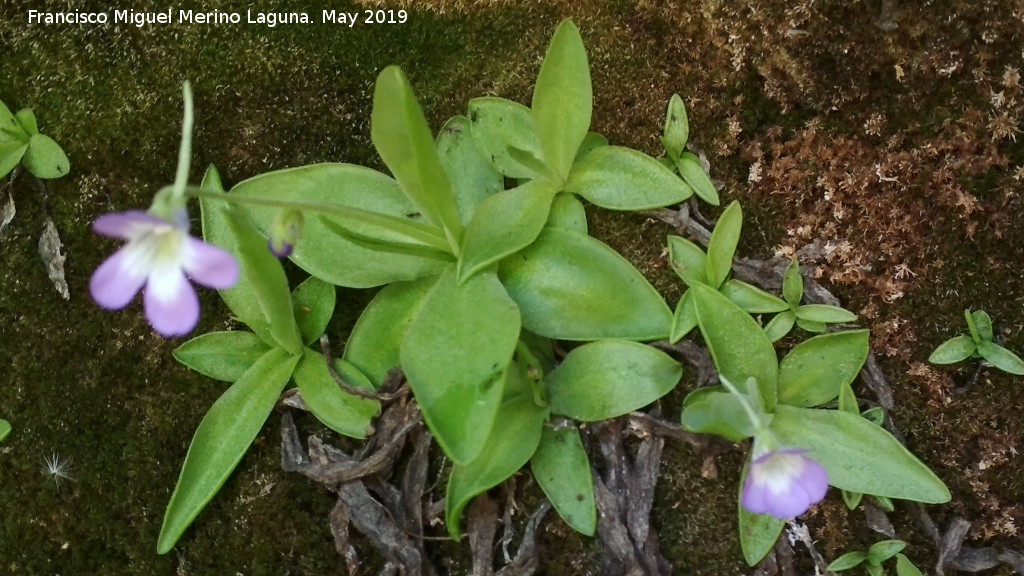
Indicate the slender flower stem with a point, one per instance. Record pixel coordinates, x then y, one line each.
755 417
185 151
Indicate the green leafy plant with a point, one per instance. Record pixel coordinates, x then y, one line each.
872 560
21 142
978 344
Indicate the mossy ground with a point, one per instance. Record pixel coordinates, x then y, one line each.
898 149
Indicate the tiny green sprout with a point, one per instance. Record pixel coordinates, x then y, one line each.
677 132
810 317
978 344
874 557
20 141
5 429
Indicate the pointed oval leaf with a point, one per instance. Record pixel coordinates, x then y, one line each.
27 119
624 179
563 99
684 319
400 133
570 286
693 173
677 127
983 323
342 412
11 153
592 141
737 344
504 224
221 440
858 455
1001 358
881 551
499 126
10 129
373 346
814 371
824 314
972 326
45 159
455 355
780 325
473 178
793 284
714 410
567 212
313 305
608 378
222 355
752 299
847 561
722 245
507 449
904 567
562 470
324 253
953 350
688 260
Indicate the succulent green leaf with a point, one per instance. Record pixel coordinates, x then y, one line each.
722 245
608 378
473 178
222 355
591 142
971 326
5 429
693 173
10 128
677 127
567 212
499 126
847 561
504 224
954 350
325 254
313 305
881 551
221 440
455 354
563 99
400 133
904 567
810 325
570 286
824 314
814 371
688 260
1001 358
340 411
847 399
714 410
11 152
624 179
858 455
562 470
793 284
758 532
45 159
737 344
27 120
374 344
506 450
780 325
751 299
851 499
684 319
983 323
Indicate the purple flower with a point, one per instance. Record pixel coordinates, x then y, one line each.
158 255
783 484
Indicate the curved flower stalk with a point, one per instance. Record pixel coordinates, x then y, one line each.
158 255
784 484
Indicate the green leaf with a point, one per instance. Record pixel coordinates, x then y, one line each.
473 179
563 99
793 284
874 569
688 261
570 286
504 224
592 141
758 532
693 173
455 355
261 298
222 355
738 346
814 371
722 245
11 153
608 378
684 319
373 346
10 128
325 254
714 410
221 440
562 470
858 455
847 561
953 350
851 499
677 127
1001 358
400 133
810 326
45 159
506 450
824 314
499 126
885 549
567 212
751 299
27 120
624 179
313 305
342 412
983 323
847 399
904 567
780 325
5 429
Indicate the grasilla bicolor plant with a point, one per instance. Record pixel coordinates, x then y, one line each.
978 344
872 560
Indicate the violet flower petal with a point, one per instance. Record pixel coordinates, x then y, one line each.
171 304
209 265
783 484
126 225
117 280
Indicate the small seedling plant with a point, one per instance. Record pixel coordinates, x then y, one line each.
978 344
22 143
872 560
